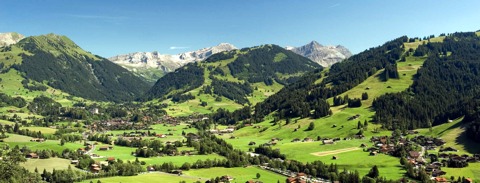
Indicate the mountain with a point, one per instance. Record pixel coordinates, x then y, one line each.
233 74
153 65
58 62
323 55
10 38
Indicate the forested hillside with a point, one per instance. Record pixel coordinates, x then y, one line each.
231 75
59 62
448 79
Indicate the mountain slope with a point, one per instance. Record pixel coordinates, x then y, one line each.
233 74
152 65
60 63
10 38
323 55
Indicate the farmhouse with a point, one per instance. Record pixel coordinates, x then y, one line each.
161 135
74 162
32 155
111 159
327 142
226 178
307 139
150 168
104 148
94 168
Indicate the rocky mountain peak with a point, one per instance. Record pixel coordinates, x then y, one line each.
323 55
9 38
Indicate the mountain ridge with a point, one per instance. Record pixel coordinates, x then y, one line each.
60 63
142 62
323 55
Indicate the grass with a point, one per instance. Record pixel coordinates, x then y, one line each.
124 153
146 178
11 85
47 164
472 171
21 141
240 175
44 130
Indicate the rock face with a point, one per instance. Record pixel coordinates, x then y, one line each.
323 55
141 62
9 38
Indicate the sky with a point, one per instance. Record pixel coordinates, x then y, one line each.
112 27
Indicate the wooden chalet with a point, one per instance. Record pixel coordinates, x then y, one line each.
32 155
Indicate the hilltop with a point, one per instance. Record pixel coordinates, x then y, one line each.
58 62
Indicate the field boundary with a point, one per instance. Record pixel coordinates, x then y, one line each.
327 153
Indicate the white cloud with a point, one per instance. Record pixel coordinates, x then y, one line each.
178 47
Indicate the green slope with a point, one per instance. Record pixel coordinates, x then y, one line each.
230 79
60 63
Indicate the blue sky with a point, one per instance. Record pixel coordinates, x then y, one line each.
111 27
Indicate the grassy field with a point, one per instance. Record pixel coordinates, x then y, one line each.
124 153
472 171
47 164
240 175
44 130
146 178
21 141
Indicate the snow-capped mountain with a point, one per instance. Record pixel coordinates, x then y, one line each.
152 65
323 55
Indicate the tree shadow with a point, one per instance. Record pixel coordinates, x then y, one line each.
469 145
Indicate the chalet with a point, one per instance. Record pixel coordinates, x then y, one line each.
414 154
81 151
111 159
103 148
32 155
437 173
468 180
251 143
440 179
443 155
37 140
74 162
307 139
150 168
291 180
226 178
161 135
327 142
94 168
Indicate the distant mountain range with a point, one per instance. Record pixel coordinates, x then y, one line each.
10 38
153 65
323 55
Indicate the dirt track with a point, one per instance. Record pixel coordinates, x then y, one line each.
327 153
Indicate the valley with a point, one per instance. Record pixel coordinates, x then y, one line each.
256 114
